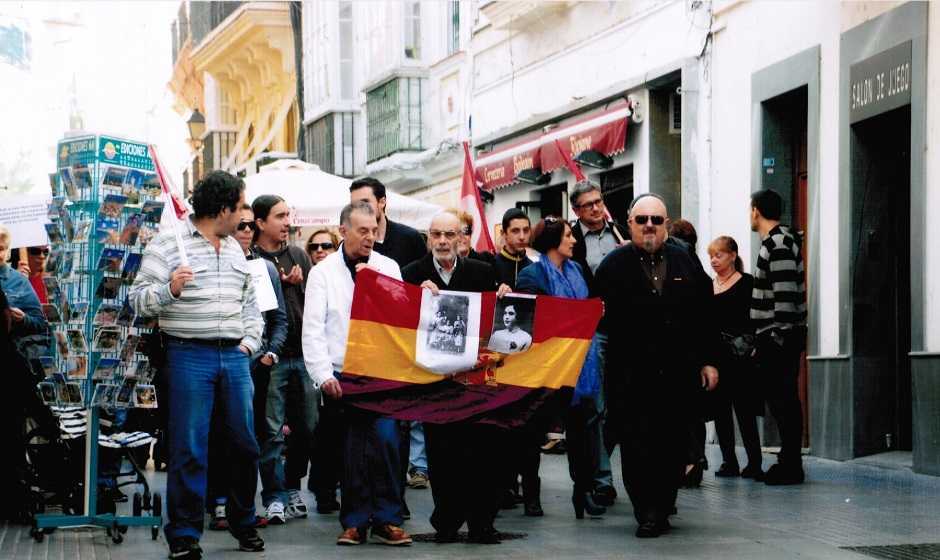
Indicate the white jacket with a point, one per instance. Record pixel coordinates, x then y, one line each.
327 306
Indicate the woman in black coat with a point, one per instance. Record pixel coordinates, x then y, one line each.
738 390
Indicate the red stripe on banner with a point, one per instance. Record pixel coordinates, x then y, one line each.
566 318
385 300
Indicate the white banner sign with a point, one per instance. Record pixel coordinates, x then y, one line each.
264 290
25 216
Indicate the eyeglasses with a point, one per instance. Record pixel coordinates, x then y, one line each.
242 226
657 220
435 234
320 246
36 251
590 204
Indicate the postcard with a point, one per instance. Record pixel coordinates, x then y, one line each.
106 368
77 311
131 266
76 340
131 230
151 186
130 348
153 211
139 369
112 206
126 315
82 228
73 392
107 339
51 311
76 367
61 344
147 234
142 322
104 395
55 233
126 394
108 288
68 181
48 365
81 176
68 228
107 230
113 177
58 203
48 393
55 260
107 314
146 396
67 266
111 260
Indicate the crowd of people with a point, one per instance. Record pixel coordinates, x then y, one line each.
247 393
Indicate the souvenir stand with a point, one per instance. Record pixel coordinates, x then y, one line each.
106 207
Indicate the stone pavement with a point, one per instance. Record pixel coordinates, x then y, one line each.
841 505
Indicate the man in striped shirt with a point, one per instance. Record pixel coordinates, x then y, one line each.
211 323
778 311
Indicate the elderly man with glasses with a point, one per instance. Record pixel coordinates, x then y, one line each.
659 357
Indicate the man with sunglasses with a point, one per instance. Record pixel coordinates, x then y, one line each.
659 357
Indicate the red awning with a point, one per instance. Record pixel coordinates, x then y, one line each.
603 130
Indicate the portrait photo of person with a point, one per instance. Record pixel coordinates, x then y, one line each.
513 319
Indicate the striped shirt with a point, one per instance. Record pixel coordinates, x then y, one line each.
219 302
779 297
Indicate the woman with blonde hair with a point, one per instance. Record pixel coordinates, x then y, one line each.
321 243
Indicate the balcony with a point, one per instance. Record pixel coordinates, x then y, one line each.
393 110
503 13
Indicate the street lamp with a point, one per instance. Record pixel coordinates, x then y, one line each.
197 127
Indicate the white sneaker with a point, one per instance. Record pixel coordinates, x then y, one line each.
275 513
296 506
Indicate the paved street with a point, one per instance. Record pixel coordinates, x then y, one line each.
842 505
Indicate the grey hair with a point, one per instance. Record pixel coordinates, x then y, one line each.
640 197
358 206
582 187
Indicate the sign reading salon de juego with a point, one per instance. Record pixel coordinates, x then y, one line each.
880 83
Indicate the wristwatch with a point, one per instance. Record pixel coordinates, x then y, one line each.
271 355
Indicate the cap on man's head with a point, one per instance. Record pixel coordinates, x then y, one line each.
513 214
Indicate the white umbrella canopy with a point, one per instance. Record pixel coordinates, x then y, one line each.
316 197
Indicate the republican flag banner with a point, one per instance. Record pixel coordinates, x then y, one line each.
471 203
527 347
169 196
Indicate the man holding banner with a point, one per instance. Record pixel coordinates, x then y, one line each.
371 487
459 453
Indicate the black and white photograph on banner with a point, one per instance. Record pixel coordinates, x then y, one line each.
448 335
513 320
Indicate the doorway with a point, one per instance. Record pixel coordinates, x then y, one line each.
617 188
881 281
549 201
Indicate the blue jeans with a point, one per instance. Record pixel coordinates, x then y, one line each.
371 488
288 375
418 458
198 377
603 476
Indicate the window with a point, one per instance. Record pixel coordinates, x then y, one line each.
331 143
453 26
412 29
394 117
227 114
346 50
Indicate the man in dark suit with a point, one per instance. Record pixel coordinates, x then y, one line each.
596 236
398 242
659 357
465 485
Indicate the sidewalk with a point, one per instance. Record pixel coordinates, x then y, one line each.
841 505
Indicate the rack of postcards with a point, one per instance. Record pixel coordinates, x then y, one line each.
106 207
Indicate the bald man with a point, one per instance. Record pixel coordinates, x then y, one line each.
659 358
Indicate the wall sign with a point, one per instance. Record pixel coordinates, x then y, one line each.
880 83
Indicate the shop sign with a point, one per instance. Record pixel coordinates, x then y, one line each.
73 152
880 83
121 152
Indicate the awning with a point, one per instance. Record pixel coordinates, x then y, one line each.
603 130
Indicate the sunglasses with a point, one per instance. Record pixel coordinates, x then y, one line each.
320 246
36 251
656 220
242 226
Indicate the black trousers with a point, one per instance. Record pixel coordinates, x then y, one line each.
465 486
779 367
737 391
325 456
583 445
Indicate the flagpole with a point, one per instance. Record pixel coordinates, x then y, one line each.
169 204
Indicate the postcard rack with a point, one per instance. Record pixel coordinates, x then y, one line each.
106 207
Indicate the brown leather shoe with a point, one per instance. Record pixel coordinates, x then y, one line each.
351 537
391 535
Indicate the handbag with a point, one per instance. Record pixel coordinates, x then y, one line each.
740 346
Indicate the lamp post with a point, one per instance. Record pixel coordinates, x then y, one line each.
197 127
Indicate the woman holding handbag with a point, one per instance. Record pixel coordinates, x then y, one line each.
738 389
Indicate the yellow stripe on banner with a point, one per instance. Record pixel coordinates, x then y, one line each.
386 352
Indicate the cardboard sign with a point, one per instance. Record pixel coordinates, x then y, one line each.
26 217
264 290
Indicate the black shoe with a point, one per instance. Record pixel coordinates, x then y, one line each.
728 470
248 539
753 472
185 548
693 478
584 502
445 537
484 536
533 509
783 475
115 495
531 490
605 496
647 530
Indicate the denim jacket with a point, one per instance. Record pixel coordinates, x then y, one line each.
20 294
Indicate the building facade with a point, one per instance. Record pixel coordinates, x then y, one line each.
234 63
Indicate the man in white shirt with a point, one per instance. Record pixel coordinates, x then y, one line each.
371 486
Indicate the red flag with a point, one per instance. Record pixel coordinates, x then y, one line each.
572 166
178 206
471 203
